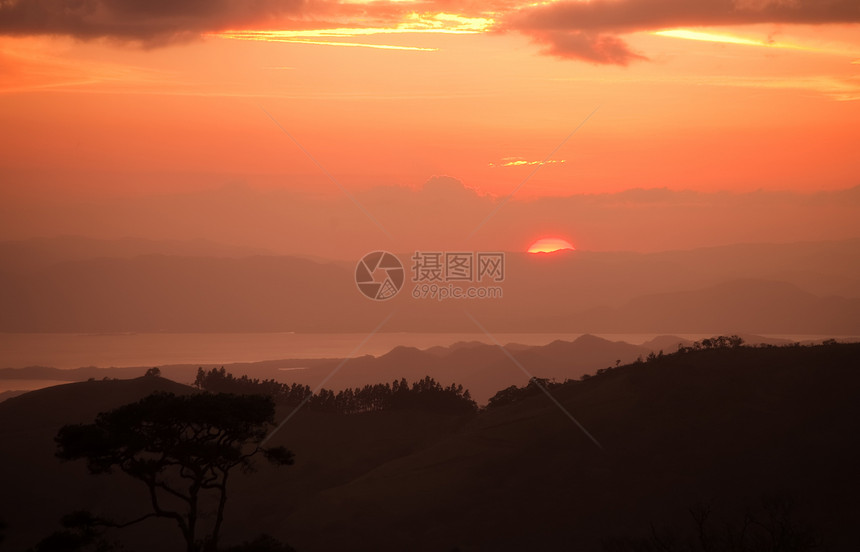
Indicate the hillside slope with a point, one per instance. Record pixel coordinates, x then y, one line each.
725 427
721 426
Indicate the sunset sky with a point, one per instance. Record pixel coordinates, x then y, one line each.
124 100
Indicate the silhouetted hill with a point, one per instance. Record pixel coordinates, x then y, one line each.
726 425
36 487
53 404
719 425
670 343
71 374
5 395
480 367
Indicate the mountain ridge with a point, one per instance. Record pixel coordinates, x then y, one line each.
719 426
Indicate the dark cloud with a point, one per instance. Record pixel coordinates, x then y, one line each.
587 47
148 21
590 31
636 15
585 30
156 22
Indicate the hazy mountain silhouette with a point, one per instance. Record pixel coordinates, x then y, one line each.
438 214
158 292
756 288
767 307
11 393
482 368
36 253
725 426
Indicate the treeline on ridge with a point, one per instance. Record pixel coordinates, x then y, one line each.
536 386
424 394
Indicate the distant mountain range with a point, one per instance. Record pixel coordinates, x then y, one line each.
764 434
37 253
74 285
481 368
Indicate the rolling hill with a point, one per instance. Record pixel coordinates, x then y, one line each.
724 427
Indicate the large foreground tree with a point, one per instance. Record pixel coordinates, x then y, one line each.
183 449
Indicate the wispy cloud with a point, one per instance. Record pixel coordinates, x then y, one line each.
273 36
413 23
520 162
711 37
725 38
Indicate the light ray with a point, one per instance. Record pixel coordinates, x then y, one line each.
732 39
337 43
414 23
710 37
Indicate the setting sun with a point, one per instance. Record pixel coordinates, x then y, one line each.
550 245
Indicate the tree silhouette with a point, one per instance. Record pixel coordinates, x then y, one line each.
718 342
220 381
181 448
425 394
512 394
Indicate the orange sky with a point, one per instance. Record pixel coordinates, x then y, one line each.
727 96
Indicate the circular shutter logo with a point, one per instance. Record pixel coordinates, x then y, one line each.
379 275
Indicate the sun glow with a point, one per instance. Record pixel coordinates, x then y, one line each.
550 245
